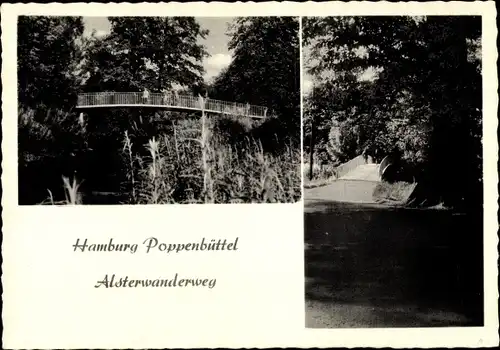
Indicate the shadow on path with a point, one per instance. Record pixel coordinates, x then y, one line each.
377 266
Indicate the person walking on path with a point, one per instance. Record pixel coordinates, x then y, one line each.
145 95
205 99
176 98
166 97
201 100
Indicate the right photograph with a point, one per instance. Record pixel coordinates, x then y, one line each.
393 179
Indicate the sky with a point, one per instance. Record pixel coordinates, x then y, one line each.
308 80
215 42
307 83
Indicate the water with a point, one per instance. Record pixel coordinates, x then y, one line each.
428 261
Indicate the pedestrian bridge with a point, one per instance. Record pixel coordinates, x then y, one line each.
171 101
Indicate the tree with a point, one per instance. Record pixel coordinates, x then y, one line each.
146 52
48 134
156 53
265 69
46 52
413 86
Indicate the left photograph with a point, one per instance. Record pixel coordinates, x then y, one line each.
158 110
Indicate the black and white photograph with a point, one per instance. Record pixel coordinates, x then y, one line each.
250 175
158 110
393 171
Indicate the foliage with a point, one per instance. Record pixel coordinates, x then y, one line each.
265 69
394 193
48 133
173 171
406 86
323 174
152 156
154 53
49 145
145 52
47 52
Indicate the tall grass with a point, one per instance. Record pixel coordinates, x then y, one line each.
196 163
50 142
322 175
222 159
71 193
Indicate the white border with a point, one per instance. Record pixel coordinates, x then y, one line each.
250 335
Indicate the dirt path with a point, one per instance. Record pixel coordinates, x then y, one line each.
349 191
321 314
354 187
377 266
366 172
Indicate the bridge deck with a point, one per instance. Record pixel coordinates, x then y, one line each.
168 101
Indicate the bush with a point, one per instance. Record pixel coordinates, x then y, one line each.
398 192
323 174
51 144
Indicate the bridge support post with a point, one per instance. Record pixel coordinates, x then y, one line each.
205 149
81 119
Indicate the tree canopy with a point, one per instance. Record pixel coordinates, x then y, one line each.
265 69
47 53
405 86
145 52
55 62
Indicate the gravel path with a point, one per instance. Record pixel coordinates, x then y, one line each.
366 172
370 265
338 315
348 191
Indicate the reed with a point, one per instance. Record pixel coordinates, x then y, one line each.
71 193
192 160
196 165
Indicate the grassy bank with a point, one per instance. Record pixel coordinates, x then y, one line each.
394 193
322 175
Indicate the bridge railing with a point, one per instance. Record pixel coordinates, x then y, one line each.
169 100
352 164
